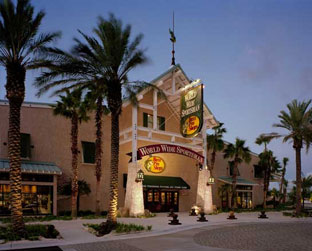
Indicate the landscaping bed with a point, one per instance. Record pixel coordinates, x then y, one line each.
33 232
120 228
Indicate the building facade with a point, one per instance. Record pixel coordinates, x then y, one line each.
175 174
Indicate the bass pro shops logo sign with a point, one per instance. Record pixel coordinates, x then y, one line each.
155 164
191 112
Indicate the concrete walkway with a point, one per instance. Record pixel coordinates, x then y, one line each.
73 232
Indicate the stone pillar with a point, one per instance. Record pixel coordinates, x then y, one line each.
134 201
204 192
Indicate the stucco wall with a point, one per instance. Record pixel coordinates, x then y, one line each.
50 136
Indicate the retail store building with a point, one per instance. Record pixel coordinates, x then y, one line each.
174 166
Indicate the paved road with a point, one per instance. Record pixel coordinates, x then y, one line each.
245 236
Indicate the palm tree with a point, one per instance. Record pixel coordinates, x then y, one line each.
215 143
224 191
285 190
298 123
270 166
264 139
122 56
74 108
105 60
285 161
264 158
20 44
83 189
84 67
239 153
306 185
274 193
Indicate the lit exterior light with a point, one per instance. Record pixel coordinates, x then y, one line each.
140 176
211 181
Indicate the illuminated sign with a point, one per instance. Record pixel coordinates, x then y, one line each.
155 164
168 148
191 112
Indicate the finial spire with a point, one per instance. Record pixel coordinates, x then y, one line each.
172 39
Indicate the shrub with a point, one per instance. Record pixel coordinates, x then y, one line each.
121 227
33 232
85 213
104 213
64 213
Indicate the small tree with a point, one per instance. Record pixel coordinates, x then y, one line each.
74 108
215 143
285 191
83 189
239 153
225 191
282 184
275 194
306 185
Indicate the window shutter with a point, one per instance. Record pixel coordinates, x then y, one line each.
145 119
25 145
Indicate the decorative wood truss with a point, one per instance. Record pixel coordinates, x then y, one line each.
172 83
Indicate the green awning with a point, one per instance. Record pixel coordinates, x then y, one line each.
164 182
32 167
239 181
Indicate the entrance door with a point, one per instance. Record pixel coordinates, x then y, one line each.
161 201
244 199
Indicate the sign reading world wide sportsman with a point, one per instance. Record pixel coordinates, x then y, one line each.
191 112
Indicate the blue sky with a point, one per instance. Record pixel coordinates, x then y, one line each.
253 56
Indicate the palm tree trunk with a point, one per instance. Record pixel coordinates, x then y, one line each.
284 195
112 213
98 153
15 88
213 160
265 189
281 187
74 150
78 201
298 180
234 176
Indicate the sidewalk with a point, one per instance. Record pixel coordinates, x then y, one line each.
73 232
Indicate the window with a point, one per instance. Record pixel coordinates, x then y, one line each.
35 199
88 149
258 172
161 123
148 121
25 145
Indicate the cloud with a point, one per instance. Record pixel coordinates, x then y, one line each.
261 63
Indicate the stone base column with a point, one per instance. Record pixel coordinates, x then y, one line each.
134 201
204 192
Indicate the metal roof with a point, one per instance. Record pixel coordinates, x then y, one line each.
239 181
33 167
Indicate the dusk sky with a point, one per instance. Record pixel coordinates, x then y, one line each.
253 56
